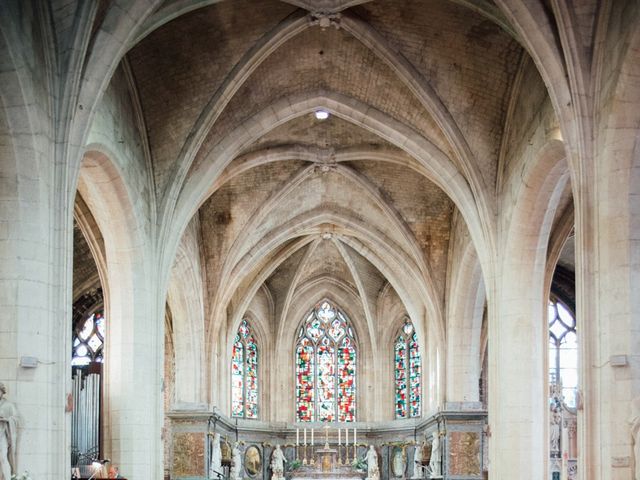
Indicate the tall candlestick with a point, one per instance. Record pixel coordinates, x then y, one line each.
305 436
355 444
297 436
339 438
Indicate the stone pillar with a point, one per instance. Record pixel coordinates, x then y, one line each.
518 334
517 338
35 267
608 280
135 322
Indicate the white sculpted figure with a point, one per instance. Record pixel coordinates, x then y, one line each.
236 463
8 435
373 472
418 470
215 465
635 433
435 464
555 427
277 463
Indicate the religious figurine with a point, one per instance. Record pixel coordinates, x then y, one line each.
634 421
277 463
236 463
215 464
8 435
554 430
418 470
435 464
373 472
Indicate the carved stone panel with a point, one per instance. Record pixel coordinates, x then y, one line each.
464 454
188 454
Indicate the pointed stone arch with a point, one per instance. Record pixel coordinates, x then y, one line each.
517 327
134 338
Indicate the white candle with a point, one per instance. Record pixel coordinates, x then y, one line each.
354 436
312 436
305 436
346 437
339 440
297 436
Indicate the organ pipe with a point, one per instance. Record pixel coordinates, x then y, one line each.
85 418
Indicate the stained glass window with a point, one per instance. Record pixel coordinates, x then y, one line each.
563 352
326 367
88 341
408 373
244 373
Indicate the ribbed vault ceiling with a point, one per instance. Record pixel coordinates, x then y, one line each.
228 89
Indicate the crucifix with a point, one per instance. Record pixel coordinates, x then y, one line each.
326 437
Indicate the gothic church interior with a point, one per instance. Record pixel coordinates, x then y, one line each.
328 239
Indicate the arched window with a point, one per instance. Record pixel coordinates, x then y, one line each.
244 374
326 367
88 341
408 376
563 352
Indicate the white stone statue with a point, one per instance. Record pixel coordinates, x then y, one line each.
634 421
373 472
8 435
555 430
418 469
435 463
215 464
236 463
277 463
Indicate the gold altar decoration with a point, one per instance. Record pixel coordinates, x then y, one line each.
225 449
253 461
326 464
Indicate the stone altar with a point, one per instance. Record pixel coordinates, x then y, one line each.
325 464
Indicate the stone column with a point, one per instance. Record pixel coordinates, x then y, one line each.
35 254
608 281
134 311
518 329
35 267
517 338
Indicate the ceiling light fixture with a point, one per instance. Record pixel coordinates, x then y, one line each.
321 114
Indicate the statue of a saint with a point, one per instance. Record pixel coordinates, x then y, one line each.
634 421
435 464
277 463
418 470
236 463
555 430
373 472
8 435
215 463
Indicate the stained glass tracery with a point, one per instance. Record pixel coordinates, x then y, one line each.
88 342
408 373
326 367
244 373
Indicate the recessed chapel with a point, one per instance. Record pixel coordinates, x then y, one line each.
320 239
